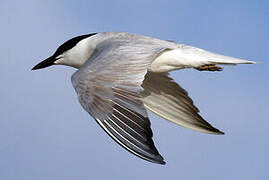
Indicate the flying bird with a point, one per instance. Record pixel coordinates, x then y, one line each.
121 75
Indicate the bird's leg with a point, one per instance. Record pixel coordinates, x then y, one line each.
209 67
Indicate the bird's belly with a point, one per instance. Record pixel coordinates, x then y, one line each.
172 60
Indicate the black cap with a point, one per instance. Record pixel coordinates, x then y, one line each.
60 50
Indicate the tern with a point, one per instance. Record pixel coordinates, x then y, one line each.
121 75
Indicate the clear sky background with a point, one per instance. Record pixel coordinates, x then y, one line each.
45 133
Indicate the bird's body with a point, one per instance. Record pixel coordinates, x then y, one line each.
120 75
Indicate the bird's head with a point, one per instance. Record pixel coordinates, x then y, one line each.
73 52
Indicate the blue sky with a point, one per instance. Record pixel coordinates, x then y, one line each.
45 133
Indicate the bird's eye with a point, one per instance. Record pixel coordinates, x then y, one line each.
58 57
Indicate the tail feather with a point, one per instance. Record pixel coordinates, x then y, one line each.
191 57
207 57
226 60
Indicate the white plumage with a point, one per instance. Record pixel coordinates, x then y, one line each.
120 75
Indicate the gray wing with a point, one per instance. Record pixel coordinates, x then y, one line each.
108 87
167 99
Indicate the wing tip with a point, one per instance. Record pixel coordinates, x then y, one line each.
159 160
216 131
162 163
220 133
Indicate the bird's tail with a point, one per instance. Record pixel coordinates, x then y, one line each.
192 57
226 60
208 57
